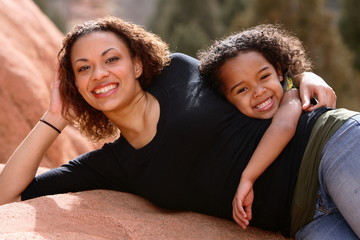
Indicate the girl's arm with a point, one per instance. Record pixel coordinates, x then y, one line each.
275 139
21 167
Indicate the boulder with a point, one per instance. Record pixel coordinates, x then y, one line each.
29 45
105 214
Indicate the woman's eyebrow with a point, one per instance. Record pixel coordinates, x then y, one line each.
102 54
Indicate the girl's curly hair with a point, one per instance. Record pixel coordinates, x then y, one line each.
146 46
277 45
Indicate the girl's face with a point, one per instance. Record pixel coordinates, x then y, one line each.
105 72
252 85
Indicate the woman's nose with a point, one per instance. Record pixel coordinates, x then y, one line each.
99 73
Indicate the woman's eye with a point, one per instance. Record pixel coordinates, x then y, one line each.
112 59
83 68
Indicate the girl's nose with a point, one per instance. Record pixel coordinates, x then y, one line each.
259 91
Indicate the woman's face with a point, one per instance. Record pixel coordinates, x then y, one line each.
252 84
105 72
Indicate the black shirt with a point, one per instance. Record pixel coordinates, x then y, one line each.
195 160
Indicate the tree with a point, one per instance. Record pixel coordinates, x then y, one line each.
53 14
187 25
349 26
229 9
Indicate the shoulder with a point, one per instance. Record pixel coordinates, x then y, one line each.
182 64
183 59
181 70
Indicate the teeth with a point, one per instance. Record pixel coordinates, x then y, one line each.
263 104
105 89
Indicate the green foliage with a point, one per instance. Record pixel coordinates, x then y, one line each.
349 26
187 25
54 16
184 35
230 8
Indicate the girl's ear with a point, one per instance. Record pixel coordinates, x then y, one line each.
279 73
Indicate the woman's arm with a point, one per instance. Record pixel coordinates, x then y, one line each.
313 86
21 167
275 139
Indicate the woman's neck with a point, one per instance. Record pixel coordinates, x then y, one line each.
138 122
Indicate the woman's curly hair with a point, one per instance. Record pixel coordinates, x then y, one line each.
146 46
277 45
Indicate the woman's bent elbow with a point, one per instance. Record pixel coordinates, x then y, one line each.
5 200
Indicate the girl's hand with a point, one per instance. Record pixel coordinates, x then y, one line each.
313 86
242 203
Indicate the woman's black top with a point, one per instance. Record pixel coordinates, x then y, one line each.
195 161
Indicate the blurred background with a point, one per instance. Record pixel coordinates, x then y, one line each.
330 29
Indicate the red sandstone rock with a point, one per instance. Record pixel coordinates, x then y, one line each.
104 214
101 214
29 44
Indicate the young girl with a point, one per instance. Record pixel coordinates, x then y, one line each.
250 69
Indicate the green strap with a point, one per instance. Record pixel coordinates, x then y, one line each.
304 201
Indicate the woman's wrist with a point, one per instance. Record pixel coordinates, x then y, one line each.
56 121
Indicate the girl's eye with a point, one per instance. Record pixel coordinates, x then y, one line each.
264 76
112 59
241 90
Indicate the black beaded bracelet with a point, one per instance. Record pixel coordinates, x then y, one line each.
50 125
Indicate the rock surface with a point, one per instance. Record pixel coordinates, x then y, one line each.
101 214
29 45
104 214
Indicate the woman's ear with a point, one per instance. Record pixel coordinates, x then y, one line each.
138 67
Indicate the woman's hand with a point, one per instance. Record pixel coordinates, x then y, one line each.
242 203
55 101
313 86
54 113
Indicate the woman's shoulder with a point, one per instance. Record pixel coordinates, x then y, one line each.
181 58
181 70
182 65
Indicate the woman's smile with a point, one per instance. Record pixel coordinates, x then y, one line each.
105 90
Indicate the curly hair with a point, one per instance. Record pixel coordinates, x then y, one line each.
277 45
146 46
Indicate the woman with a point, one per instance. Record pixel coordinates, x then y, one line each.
180 145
